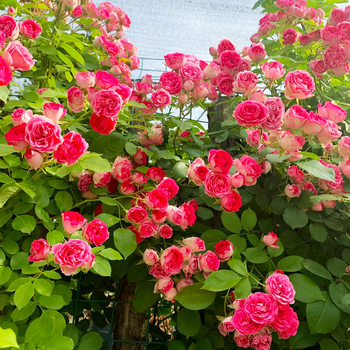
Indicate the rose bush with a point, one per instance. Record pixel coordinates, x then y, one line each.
236 234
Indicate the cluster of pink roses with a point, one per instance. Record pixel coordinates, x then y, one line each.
216 178
75 253
261 313
40 135
15 56
183 260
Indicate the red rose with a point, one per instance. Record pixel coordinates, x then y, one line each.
39 250
5 73
105 80
103 125
231 202
225 83
171 260
224 250
156 199
155 174
137 214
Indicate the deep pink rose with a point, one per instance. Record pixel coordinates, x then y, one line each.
275 115
150 257
217 185
137 214
290 36
165 231
336 186
196 244
220 161
261 308
299 84
271 240
124 91
230 59
249 168
224 250
5 73
156 199
174 60
85 80
251 113
175 215
95 232
161 98
318 67
71 149
295 117
171 82
224 45
169 187
30 28
244 324
101 179
105 80
84 182
16 137
54 111
334 56
155 174
297 174
225 83
39 250
159 216
73 254
261 340
43 135
164 285
127 187
337 15
72 221
191 72
226 326
103 125
344 28
9 27
305 39
330 35
273 70
286 322
76 99
171 260
242 341
147 228
208 262
232 201
121 169
280 288
257 52
189 215
332 112
255 137
18 57
140 157
106 103
197 171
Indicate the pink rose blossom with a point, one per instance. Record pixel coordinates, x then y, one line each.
220 161
171 260
318 67
229 59
271 240
208 262
232 201
334 56
147 228
156 199
171 82
330 35
85 80
183 283
150 257
196 244
244 323
225 44
249 168
16 137
332 112
18 57
34 158
121 169
217 185
197 171
290 142
101 124
290 36
286 322
9 27
164 285
280 288
251 113
255 137
297 174
299 84
101 179
242 341
226 326
292 191
273 70
295 117
225 83
165 231
261 340
39 250
161 98
105 80
224 250
137 214
314 124
155 174
261 308
344 147
344 166
106 103
54 111
169 187
245 82
30 28
72 221
5 73
275 115
95 232
329 133
333 186
257 52
174 60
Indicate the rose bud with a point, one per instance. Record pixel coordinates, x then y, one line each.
270 240
40 250
196 244
224 250
72 221
34 158
150 257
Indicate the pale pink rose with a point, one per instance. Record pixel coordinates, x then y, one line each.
261 308
330 35
242 341
18 57
273 70
299 84
249 168
16 137
72 221
286 322
72 4
314 124
271 240
152 137
261 340
76 99
290 142
298 10
171 260
329 133
244 323
216 184
332 112
295 117
275 115
165 231
183 283
344 166
175 215
229 59
121 169
297 174
237 180
54 111
150 257
255 38
213 51
344 147
183 98
39 250
258 96
224 250
208 262
265 166
164 285
226 326
85 80
95 232
101 179
200 91
34 158
127 187
140 157
72 255
30 28
170 296
9 27
71 149
20 116
212 70
280 288
196 244
255 137
225 82
245 82
174 60
329 204
292 191
197 171
336 186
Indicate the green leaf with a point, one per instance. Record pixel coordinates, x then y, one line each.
24 223
108 201
317 169
322 316
8 338
316 268
52 274
108 219
144 296
243 289
188 322
97 164
6 192
64 200
111 254
91 341
318 232
57 342
248 219
19 315
5 274
53 301
6 150
239 243
221 280
340 296
194 298
328 344
23 295
290 263
237 266
125 241
43 286
130 148
336 266
102 267
4 93
256 255
176 345
19 260
295 217
55 237
231 222
73 53
306 290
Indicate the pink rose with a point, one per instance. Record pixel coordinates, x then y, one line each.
147 228
242 341
344 147
170 296
329 133
226 326
150 257
249 168
334 56
169 187
280 288
165 231
220 161
330 35
54 111
121 169
271 240
211 70
175 215
251 113
174 60
105 80
344 166
224 250
84 182
261 308
159 216
245 82
103 125
337 15
73 254
72 221
217 185
318 67
171 260
275 115
16 137
156 199
152 137
261 340
18 57
189 215
208 262
224 45
95 232
295 117
76 99
232 201
308 186
5 72
336 186
225 83
257 52
127 187
77 12
101 179
305 39
344 28
197 171
332 112
299 84
164 285
30 28
140 157
253 137
191 72
155 174
85 80
171 82
39 250
286 322
43 135
273 70
284 4
244 323
137 214
183 283
161 98
292 191
314 124
106 103
9 27
297 174
157 271
34 158
290 36
230 59
290 142
196 244
71 149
